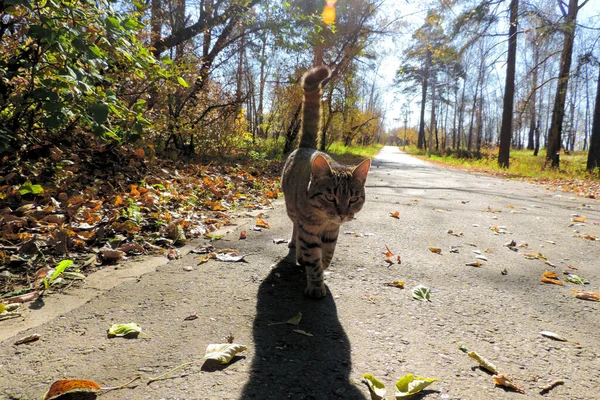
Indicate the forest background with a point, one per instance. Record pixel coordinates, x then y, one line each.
127 125
218 77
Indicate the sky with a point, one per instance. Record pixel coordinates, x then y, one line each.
413 12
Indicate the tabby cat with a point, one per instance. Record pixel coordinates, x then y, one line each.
320 194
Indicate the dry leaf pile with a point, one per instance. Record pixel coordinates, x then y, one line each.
98 205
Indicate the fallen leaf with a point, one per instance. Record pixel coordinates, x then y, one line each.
397 284
302 332
576 279
578 219
504 271
279 241
502 380
28 339
591 296
131 330
534 256
216 206
388 255
295 320
230 257
550 275
66 387
474 264
110 255
550 386
395 214
191 317
483 362
173 254
261 223
242 235
409 385
421 292
551 280
224 352
435 250
376 387
553 335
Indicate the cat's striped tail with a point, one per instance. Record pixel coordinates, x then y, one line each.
311 105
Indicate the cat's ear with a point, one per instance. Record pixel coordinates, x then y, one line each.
320 166
360 172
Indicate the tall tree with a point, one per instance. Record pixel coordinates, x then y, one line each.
558 110
593 160
509 88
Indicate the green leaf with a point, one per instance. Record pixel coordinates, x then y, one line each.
167 60
421 292
576 279
28 187
182 82
58 270
96 50
131 329
99 112
223 352
409 385
376 387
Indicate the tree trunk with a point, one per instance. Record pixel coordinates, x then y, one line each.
587 110
593 160
532 106
461 110
558 110
432 122
327 124
509 88
292 131
421 138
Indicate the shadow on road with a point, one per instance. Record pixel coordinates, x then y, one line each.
290 365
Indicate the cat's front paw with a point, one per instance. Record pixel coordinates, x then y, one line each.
315 291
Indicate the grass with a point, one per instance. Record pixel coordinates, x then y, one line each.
522 164
352 154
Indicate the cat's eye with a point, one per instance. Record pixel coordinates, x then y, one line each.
353 200
330 197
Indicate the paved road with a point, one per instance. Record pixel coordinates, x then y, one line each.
362 326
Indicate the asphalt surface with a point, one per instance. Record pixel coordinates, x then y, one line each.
363 325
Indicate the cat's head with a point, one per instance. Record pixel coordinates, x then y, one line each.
337 193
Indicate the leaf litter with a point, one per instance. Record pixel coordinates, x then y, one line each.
111 202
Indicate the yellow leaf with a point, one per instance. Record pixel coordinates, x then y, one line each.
215 206
435 250
223 353
262 223
397 284
395 214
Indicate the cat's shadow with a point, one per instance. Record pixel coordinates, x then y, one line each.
293 365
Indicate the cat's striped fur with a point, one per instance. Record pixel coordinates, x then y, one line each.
320 194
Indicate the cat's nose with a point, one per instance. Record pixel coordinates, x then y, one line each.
343 217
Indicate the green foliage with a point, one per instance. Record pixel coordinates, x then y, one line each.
353 153
28 188
65 67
